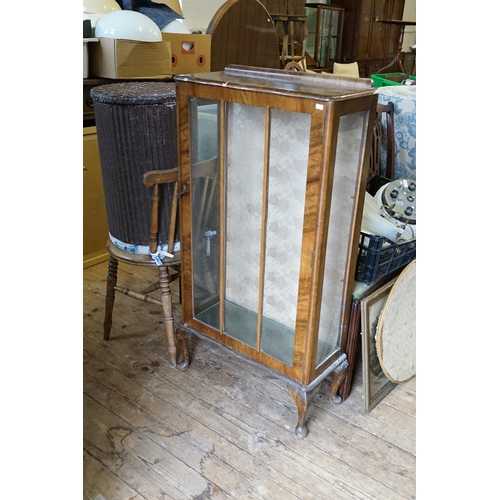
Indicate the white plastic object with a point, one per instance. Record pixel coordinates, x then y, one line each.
128 25
175 27
100 6
374 222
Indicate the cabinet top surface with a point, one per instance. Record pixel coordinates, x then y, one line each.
294 83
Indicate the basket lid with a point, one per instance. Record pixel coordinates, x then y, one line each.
135 93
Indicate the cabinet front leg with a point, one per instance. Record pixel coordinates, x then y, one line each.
303 399
338 377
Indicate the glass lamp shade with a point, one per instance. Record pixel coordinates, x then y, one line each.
128 25
100 6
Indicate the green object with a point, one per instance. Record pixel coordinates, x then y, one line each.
388 79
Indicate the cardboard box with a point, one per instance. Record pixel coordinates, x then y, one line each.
128 59
190 53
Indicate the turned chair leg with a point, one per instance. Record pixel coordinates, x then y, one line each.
110 296
166 300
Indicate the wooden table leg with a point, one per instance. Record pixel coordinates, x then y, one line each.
397 61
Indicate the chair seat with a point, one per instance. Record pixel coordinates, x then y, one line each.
140 259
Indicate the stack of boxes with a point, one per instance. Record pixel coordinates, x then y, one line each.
128 59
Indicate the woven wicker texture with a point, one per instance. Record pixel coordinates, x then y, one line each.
136 132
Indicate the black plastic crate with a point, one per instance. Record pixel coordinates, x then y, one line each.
376 260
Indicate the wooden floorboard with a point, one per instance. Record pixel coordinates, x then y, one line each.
223 428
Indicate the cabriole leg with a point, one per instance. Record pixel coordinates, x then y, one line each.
303 399
338 377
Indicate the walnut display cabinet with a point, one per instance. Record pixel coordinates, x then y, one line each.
273 168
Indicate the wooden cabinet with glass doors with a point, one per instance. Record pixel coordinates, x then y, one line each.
325 25
273 168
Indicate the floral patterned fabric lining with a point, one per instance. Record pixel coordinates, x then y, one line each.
405 128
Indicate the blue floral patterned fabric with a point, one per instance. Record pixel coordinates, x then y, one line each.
158 257
405 127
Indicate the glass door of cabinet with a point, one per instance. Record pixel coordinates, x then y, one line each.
324 40
247 221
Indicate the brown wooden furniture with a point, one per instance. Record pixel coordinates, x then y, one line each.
288 7
383 133
377 174
172 420
383 130
373 45
152 179
95 225
137 131
354 329
275 285
325 26
396 62
289 18
292 35
243 33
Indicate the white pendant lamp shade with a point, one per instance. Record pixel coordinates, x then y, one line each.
128 25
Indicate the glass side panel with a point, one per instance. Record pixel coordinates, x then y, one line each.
311 30
347 166
205 208
246 126
288 159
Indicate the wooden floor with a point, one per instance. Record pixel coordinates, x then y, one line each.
223 429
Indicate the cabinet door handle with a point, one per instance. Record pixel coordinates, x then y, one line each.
85 168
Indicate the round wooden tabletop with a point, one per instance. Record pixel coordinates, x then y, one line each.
243 33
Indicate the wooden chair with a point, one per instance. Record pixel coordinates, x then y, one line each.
384 114
204 200
164 260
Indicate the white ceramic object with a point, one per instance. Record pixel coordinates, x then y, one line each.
128 25
175 27
100 6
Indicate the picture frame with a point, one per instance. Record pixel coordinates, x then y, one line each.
375 383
